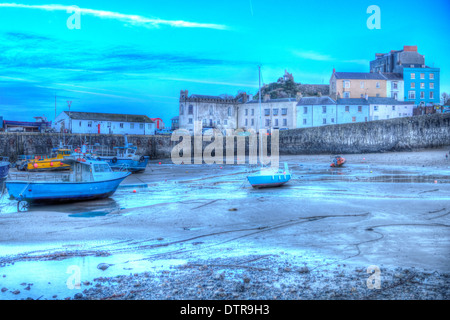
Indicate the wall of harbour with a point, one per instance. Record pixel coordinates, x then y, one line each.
400 134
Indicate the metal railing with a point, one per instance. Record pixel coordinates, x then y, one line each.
39 177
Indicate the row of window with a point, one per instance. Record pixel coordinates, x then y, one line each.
422 76
422 85
121 125
412 95
268 122
190 110
347 109
324 120
362 84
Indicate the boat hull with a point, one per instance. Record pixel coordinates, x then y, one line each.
54 192
4 169
125 164
268 181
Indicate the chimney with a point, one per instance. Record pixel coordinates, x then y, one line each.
299 96
266 97
245 98
366 97
334 70
410 48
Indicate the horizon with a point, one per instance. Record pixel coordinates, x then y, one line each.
135 58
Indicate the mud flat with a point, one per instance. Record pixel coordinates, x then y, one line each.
201 232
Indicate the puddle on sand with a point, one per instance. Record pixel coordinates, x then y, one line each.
47 280
91 214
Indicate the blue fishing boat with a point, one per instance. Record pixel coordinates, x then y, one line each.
270 177
4 167
88 180
124 158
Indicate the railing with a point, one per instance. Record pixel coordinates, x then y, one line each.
39 177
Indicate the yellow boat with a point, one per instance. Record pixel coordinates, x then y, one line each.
53 162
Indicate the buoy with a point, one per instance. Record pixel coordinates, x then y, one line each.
51 163
159 162
35 165
134 191
435 181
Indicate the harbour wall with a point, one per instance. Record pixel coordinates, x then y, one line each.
400 134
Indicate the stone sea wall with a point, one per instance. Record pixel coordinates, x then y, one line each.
402 134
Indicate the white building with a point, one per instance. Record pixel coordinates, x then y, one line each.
389 108
104 123
395 86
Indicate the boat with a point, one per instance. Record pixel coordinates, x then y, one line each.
88 180
268 177
4 167
124 158
49 163
338 161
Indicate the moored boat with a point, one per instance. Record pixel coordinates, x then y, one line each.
270 177
88 180
49 163
124 158
338 161
4 167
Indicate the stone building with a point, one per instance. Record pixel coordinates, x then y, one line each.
200 112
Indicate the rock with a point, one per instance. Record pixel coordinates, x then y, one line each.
16 292
103 266
78 296
4 289
246 280
232 209
303 270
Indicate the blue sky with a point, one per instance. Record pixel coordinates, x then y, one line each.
136 56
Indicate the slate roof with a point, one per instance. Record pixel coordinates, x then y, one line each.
359 75
325 100
372 100
273 100
393 76
108 117
352 101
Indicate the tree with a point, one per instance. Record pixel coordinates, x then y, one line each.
445 97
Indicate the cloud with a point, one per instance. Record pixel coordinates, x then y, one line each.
311 55
125 18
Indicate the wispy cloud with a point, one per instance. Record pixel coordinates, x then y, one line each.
317 56
126 18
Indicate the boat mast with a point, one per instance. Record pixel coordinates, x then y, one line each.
260 116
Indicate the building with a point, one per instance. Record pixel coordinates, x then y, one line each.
198 112
104 123
159 123
357 85
275 114
175 123
395 88
40 125
421 83
320 111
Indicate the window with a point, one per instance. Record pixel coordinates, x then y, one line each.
324 121
89 124
387 117
346 84
347 108
191 109
362 84
413 85
394 85
121 125
431 85
131 125
422 76
182 110
378 84
141 126
431 76
246 122
359 108
305 110
211 110
324 109
284 122
393 108
422 85
332 120
275 112
375 108
267 122
377 95
395 95
225 122
431 95
246 112
253 112
149 126
267 112
304 121
422 95
353 119
190 121
80 124
276 122
347 94
210 123
218 121
230 112
108 124
204 122
253 122
284 111
413 75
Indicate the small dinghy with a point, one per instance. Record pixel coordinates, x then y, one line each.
338 161
270 177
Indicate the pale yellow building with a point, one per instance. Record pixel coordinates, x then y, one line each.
357 85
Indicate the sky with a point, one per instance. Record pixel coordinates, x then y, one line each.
134 57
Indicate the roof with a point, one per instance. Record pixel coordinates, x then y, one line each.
393 76
352 101
273 100
175 118
359 75
325 100
108 117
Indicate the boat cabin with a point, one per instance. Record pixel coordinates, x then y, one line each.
90 171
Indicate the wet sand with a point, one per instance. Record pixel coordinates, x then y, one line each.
204 226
